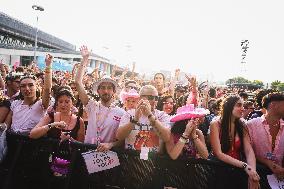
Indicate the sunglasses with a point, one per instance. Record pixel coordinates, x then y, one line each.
131 87
150 97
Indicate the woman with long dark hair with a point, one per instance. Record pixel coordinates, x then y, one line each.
230 140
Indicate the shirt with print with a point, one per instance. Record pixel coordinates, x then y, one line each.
261 140
26 117
105 118
143 134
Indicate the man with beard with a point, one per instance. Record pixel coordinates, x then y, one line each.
103 116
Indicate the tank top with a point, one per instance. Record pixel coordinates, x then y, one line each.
55 132
235 151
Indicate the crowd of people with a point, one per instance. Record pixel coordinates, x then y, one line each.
167 117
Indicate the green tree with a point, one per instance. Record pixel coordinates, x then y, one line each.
280 87
258 82
237 80
274 84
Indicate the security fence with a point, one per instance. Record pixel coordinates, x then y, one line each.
27 165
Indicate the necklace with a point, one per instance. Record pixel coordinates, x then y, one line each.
67 123
275 125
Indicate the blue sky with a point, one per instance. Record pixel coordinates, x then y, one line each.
199 37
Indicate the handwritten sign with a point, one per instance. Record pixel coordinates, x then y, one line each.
99 161
274 182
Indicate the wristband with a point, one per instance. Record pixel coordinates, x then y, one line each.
244 166
183 140
49 126
185 136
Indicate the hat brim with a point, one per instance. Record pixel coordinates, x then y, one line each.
185 116
124 97
97 84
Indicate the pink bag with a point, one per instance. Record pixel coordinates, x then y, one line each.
60 166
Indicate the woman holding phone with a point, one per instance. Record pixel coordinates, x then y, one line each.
62 124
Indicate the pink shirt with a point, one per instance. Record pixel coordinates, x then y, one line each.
106 119
261 139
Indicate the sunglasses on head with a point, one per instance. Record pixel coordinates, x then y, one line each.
169 103
150 97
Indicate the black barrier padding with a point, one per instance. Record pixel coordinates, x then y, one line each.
27 166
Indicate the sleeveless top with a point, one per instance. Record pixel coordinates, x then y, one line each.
189 150
235 151
55 132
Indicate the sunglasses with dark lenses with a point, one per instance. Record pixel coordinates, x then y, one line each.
131 87
150 97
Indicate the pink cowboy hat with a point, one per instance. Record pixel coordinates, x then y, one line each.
188 112
132 93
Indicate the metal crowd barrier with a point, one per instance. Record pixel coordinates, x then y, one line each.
27 166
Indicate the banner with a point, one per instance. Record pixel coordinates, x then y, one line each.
274 183
99 161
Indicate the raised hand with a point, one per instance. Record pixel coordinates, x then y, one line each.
48 60
114 69
125 71
191 80
177 72
85 53
133 66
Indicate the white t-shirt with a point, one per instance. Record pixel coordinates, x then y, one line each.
143 134
106 118
26 117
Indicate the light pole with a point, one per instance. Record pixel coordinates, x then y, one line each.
36 8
